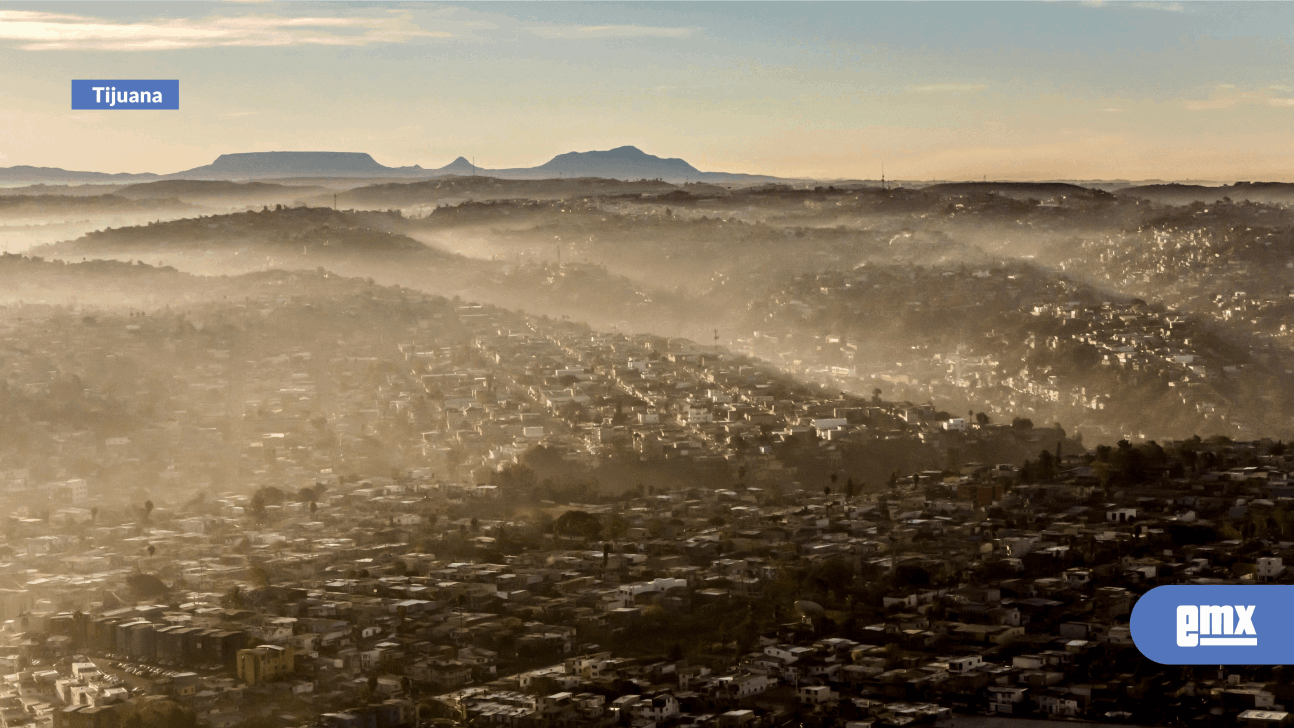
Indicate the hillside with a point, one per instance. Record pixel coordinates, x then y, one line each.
219 191
459 188
27 173
1280 193
39 206
1018 190
295 229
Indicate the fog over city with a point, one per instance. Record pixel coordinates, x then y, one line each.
815 365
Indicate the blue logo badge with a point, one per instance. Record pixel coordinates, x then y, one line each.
122 95
1215 625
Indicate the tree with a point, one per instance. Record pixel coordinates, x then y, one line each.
153 713
910 575
982 419
267 496
1022 423
258 577
454 457
616 526
233 598
578 524
1027 472
151 549
148 509
146 586
1046 466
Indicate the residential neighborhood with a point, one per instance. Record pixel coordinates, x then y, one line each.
459 514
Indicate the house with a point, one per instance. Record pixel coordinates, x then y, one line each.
1053 702
1264 718
815 694
657 709
265 663
1121 515
1006 698
1269 567
962 665
736 687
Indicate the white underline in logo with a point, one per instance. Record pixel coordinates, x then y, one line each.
1228 642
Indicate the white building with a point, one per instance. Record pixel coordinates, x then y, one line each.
1269 567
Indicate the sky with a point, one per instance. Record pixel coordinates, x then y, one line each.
932 90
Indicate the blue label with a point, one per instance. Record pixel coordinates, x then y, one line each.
126 95
1216 625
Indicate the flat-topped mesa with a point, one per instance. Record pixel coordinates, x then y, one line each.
291 164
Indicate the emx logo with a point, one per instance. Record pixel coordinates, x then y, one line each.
1219 622
1215 625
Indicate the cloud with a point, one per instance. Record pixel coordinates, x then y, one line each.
1113 110
241 113
1167 7
934 88
1170 7
44 31
1210 104
1227 96
609 31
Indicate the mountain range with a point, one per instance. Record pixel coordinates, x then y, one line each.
624 163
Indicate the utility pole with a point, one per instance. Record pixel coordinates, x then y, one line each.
882 175
334 201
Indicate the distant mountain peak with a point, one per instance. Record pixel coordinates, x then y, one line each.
626 161
460 166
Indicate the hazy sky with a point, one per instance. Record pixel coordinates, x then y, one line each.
1011 90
